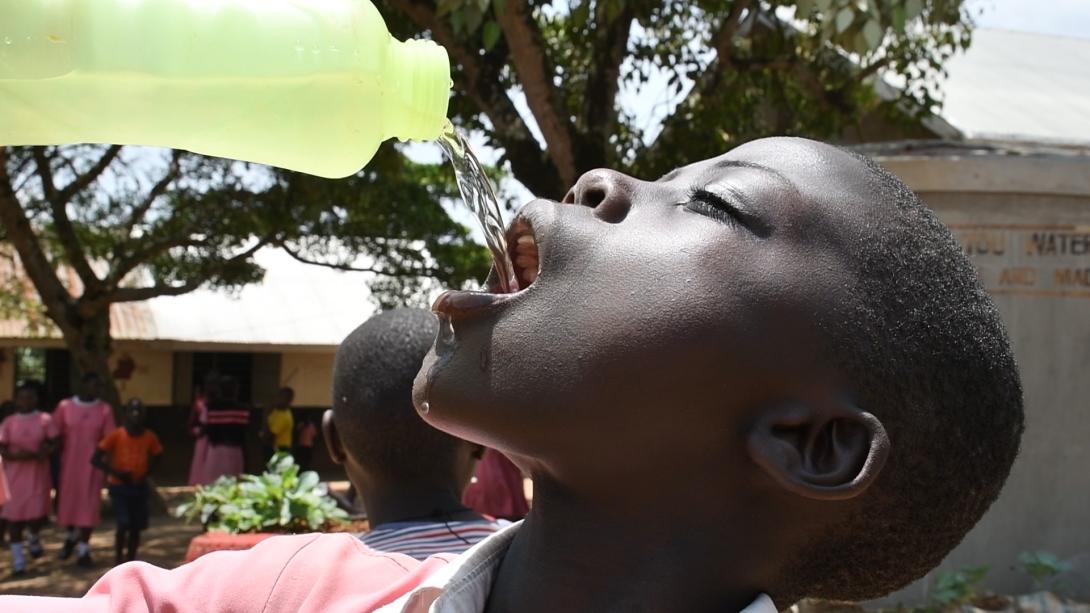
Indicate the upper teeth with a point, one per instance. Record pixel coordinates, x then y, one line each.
526 257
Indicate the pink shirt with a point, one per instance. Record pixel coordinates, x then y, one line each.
310 573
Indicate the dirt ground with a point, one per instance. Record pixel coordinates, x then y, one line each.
164 544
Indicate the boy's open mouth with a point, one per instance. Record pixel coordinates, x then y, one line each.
522 248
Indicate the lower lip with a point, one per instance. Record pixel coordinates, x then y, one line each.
458 305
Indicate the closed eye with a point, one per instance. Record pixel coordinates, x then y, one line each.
713 205
706 202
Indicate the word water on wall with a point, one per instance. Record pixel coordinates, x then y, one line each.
1029 260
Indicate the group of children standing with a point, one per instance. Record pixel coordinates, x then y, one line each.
83 428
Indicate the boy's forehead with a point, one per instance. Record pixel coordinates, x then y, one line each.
794 158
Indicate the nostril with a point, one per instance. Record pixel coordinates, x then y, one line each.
605 191
593 195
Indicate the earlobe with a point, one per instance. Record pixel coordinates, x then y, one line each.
332 438
827 452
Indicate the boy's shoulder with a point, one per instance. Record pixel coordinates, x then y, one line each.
331 573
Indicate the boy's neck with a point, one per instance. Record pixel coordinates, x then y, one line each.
402 502
134 430
569 556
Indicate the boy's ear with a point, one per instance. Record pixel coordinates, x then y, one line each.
332 438
826 452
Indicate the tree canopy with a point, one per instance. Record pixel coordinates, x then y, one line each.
737 70
98 225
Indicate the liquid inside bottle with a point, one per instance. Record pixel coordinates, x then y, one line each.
480 197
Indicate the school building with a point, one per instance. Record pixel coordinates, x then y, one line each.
283 331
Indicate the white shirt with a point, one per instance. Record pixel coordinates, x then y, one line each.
463 585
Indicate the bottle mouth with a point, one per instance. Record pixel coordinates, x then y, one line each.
420 79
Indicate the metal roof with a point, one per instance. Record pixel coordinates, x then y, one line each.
295 305
1020 86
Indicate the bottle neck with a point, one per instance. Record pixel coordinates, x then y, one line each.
418 89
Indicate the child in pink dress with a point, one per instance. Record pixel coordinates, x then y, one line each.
198 420
83 420
27 438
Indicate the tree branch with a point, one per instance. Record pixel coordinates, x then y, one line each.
713 75
39 269
527 46
599 114
156 190
129 263
136 294
66 233
427 272
481 82
81 182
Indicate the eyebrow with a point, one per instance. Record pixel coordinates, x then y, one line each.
731 164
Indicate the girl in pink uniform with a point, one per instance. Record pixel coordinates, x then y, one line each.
83 421
27 438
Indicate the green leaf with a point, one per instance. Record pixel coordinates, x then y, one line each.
804 9
872 32
491 35
308 481
446 7
499 7
824 5
899 19
912 9
473 18
844 19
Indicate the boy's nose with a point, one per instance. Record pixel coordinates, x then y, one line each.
608 192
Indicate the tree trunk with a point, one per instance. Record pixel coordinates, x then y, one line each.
90 345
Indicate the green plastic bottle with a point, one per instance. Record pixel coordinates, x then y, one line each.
309 85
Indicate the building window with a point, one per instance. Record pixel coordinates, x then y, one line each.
29 364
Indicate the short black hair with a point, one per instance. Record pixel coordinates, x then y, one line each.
372 398
929 355
289 392
30 385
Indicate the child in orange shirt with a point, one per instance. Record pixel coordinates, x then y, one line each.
127 455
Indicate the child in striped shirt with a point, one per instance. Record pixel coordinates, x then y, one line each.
409 475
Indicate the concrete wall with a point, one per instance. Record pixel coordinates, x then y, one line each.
310 375
1032 250
152 378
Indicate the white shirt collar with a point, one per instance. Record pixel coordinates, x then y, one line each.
463 585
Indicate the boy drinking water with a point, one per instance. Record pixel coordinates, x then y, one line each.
127 455
783 339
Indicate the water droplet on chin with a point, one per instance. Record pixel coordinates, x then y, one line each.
425 407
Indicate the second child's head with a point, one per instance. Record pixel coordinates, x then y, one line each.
372 428
284 397
26 397
90 387
782 342
134 416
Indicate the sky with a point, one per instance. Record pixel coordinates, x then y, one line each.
650 105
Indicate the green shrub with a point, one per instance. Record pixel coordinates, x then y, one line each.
957 588
279 500
1044 568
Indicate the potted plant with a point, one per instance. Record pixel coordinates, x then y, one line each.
239 512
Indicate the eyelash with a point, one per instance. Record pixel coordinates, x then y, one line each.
701 200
